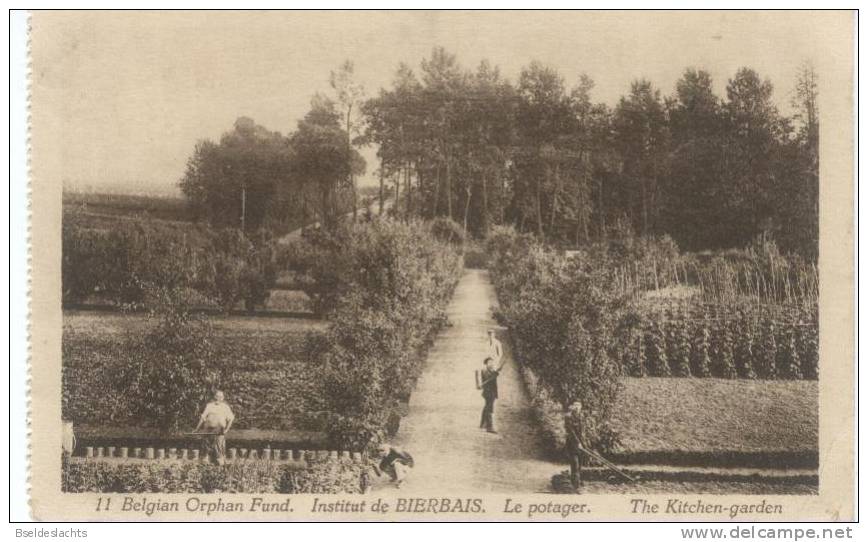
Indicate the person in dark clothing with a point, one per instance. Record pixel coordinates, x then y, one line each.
395 462
574 445
487 381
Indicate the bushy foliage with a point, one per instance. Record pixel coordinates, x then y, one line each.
548 413
321 476
680 359
123 264
561 313
721 341
701 359
655 350
767 352
265 374
809 350
170 373
238 268
743 350
384 286
788 364
447 231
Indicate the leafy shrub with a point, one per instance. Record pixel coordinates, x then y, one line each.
169 374
809 350
788 363
124 263
561 312
548 413
384 286
767 352
701 359
321 476
681 352
475 256
447 230
324 476
721 351
237 268
743 350
655 348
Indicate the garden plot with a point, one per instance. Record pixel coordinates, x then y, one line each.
262 367
688 416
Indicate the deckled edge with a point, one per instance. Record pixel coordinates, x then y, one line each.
28 71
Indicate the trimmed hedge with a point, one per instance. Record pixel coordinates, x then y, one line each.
384 286
561 313
547 412
99 476
124 263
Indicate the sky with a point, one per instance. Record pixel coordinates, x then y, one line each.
135 91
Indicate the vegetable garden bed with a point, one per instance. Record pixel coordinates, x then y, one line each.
717 421
263 371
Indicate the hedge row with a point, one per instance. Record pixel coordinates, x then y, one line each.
561 313
122 264
326 476
384 286
547 412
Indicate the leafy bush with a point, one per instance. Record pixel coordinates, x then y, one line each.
561 312
655 351
321 476
447 230
681 355
384 286
548 413
809 350
238 268
169 374
125 262
265 372
767 352
475 258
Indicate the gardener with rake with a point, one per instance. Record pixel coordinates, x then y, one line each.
579 428
574 446
215 422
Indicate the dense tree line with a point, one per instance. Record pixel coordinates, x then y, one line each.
711 172
254 178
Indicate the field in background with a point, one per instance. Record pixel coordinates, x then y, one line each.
101 209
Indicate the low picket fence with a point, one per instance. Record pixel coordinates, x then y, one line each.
232 454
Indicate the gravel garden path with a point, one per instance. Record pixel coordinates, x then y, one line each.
441 429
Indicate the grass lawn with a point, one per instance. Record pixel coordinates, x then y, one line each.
265 375
710 415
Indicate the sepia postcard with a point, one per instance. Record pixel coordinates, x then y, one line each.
442 266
